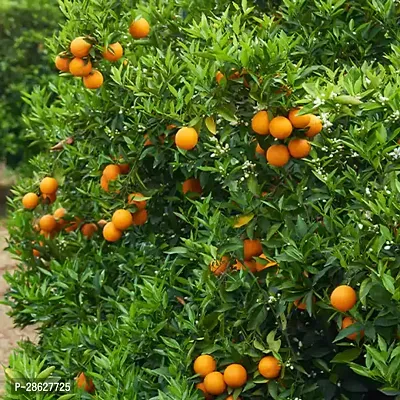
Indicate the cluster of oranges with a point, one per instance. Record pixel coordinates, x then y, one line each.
122 219
281 128
79 62
251 248
234 376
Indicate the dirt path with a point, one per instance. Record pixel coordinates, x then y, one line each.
9 336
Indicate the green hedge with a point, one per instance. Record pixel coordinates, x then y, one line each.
24 64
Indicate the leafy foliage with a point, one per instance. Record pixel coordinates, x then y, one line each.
24 27
134 314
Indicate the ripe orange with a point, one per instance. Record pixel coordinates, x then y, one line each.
36 253
300 121
192 185
139 29
49 198
219 76
113 52
140 204
148 142
314 126
104 183
30 201
94 80
186 138
202 387
269 367
62 63
251 248
88 230
235 375
214 383
218 267
48 185
73 225
260 267
111 172
280 127
59 213
347 321
260 150
231 398
139 217
84 383
80 47
300 305
343 298
79 67
204 365
250 265
278 155
299 148
122 219
47 223
124 168
111 233
260 123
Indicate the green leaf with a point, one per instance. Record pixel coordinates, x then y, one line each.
347 100
177 250
210 124
346 356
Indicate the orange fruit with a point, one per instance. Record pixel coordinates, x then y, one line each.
299 121
347 321
30 201
186 138
104 183
47 223
59 213
214 383
231 398
94 80
250 265
80 47
73 225
88 230
62 63
113 52
202 387
49 198
204 364
111 233
148 142
343 298
278 155
122 219
36 253
125 168
79 67
300 305
192 186
111 172
102 223
218 267
260 267
314 126
280 127
84 383
140 204
219 76
260 150
48 185
299 148
269 367
139 29
260 123
235 375
251 248
139 217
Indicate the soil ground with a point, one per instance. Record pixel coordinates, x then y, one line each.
9 336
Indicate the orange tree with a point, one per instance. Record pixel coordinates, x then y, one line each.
195 209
